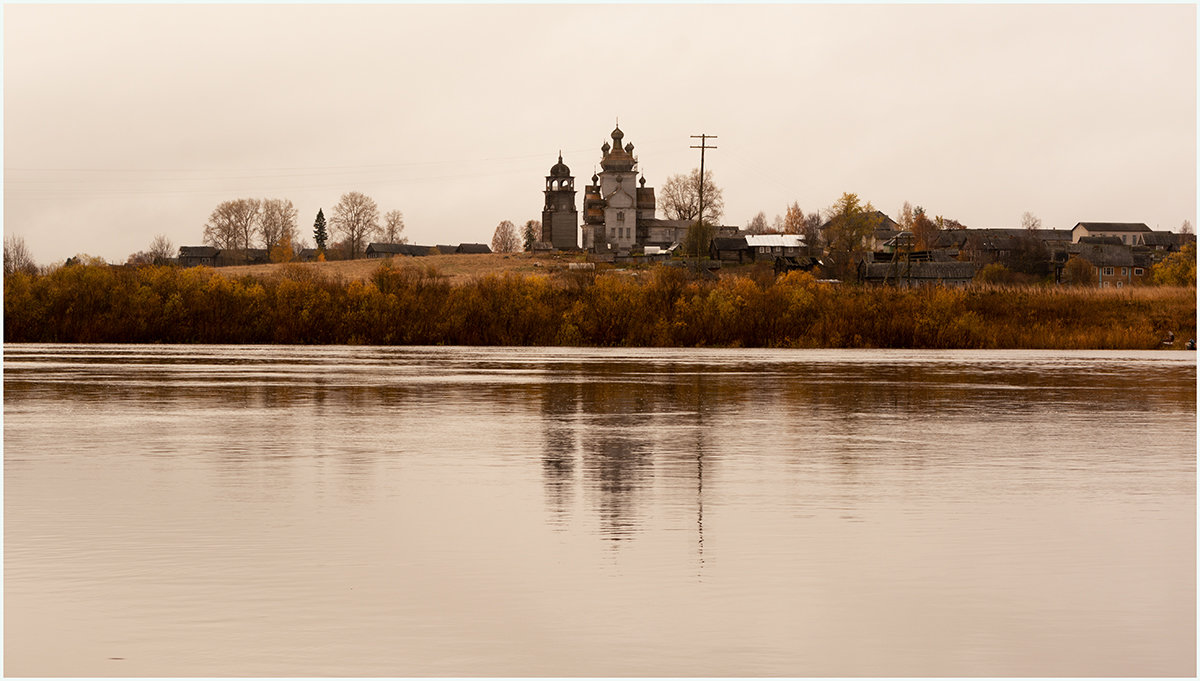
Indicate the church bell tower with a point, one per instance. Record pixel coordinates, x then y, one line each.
560 219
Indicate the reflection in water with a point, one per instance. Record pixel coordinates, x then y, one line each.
550 512
560 405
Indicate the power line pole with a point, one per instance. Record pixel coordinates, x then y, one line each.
700 219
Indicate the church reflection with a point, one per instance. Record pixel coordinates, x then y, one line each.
611 440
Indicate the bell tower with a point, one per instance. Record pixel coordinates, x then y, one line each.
560 219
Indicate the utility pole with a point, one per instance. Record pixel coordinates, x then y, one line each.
700 219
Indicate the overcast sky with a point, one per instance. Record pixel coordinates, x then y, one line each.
123 122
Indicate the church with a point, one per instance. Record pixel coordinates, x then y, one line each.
618 207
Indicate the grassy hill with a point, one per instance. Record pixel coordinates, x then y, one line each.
458 268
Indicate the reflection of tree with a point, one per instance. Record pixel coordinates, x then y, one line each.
560 406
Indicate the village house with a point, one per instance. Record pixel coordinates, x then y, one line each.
907 274
1114 262
729 249
767 247
473 248
375 250
195 256
1130 233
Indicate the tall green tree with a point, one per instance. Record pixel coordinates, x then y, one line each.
320 235
532 232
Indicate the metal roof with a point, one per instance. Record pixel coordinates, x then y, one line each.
785 240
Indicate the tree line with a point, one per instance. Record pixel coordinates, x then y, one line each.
661 306
271 224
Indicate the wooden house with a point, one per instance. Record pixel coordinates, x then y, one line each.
907 274
770 246
377 250
473 248
1115 264
729 249
193 256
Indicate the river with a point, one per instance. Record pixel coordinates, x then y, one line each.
366 511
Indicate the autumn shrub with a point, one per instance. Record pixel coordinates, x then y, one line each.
661 307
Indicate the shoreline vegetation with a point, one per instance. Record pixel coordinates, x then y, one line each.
411 304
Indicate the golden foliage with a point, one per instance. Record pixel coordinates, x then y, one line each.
662 306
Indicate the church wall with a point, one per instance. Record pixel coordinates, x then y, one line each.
561 228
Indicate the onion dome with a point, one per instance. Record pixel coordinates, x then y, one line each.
595 178
560 169
605 148
629 148
617 136
642 182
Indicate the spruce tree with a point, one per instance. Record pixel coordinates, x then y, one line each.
319 233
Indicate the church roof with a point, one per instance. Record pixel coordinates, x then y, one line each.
560 169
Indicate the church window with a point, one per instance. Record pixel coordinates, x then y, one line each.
620 216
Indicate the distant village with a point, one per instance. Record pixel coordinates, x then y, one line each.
620 225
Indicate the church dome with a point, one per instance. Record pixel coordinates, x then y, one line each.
617 136
560 169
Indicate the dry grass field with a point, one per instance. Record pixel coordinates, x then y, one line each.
459 268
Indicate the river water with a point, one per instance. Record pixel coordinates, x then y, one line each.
359 511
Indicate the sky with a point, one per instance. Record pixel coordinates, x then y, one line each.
123 122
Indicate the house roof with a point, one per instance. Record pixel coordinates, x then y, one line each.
885 224
474 248
918 270
1159 239
198 252
398 249
659 222
785 240
729 243
1104 255
1112 226
1114 240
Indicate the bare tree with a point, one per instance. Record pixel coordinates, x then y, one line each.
906 216
812 233
277 223
506 239
161 250
17 257
393 226
1186 227
232 224
757 224
1030 222
356 219
680 198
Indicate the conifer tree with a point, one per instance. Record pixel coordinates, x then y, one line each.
319 233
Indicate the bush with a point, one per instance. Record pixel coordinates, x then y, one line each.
664 306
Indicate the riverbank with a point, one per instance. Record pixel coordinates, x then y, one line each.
415 304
